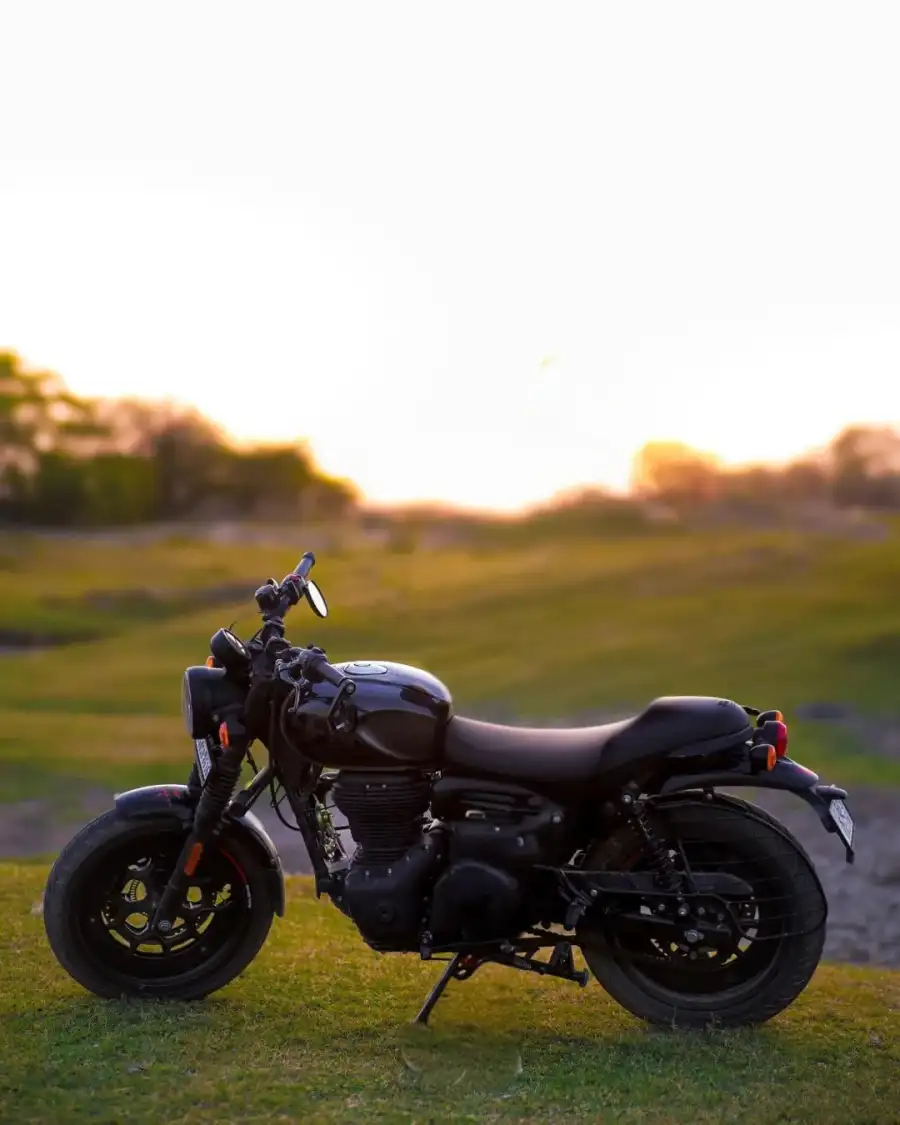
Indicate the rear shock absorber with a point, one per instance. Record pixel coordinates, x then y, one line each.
658 853
217 793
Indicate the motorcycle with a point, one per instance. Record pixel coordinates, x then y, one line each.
474 843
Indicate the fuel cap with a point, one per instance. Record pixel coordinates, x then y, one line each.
364 668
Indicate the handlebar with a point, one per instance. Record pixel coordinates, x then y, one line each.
316 667
275 600
305 565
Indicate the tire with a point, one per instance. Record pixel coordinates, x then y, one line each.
93 927
789 905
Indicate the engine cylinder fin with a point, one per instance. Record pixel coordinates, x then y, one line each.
384 811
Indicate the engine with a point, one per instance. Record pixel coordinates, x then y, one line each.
395 857
496 835
466 877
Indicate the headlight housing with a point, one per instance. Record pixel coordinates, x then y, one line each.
205 692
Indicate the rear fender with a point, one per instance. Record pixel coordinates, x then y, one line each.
178 802
787 775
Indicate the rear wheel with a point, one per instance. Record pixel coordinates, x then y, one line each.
104 887
777 933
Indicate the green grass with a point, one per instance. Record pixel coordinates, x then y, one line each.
550 627
317 1030
68 587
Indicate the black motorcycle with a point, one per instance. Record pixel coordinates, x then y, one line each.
481 843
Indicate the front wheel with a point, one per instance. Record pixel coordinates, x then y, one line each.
103 889
778 932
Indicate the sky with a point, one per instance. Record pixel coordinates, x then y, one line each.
477 252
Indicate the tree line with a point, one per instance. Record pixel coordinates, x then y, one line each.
859 468
72 461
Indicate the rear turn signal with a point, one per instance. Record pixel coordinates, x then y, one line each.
763 757
223 735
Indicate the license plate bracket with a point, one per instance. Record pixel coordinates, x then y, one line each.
842 820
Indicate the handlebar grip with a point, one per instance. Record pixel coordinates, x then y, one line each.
317 667
336 678
305 565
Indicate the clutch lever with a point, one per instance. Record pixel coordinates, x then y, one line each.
340 723
293 674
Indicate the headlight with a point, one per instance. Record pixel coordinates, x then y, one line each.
204 694
187 705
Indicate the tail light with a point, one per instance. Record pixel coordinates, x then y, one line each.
775 733
771 728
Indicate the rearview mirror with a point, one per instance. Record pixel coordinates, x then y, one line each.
316 599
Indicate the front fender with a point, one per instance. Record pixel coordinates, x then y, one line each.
787 775
178 802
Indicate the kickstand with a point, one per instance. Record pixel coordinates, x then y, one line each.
461 967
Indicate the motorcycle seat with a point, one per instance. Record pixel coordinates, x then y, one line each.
573 754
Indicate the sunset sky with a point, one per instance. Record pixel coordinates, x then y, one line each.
475 252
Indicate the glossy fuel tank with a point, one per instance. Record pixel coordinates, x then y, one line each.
399 717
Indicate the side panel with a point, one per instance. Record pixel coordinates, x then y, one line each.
501 823
153 800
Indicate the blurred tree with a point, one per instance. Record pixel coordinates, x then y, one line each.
805 480
118 489
675 474
864 464
37 414
267 481
68 461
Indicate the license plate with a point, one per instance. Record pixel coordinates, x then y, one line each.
204 761
843 821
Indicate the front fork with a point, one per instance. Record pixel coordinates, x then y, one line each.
214 799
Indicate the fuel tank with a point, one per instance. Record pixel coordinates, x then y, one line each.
398 718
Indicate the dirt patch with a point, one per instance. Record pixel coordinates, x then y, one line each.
880 734
23 640
146 600
30 828
863 897
129 605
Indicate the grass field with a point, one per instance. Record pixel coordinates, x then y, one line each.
317 1030
554 626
